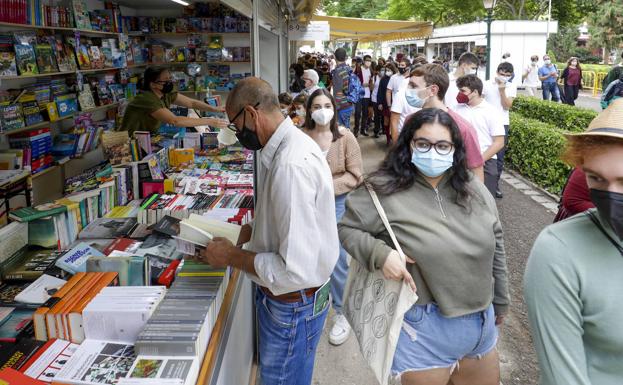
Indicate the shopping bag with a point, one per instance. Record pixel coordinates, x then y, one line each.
375 307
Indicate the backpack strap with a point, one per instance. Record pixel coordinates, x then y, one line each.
593 218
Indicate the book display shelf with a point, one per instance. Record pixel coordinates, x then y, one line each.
94 285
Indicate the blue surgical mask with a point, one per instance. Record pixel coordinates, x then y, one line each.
431 163
413 98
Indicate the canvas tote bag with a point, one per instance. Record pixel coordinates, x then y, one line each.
375 307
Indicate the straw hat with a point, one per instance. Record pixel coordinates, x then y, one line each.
608 123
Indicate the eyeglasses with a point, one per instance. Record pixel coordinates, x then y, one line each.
231 125
423 145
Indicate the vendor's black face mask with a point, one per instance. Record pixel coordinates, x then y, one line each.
167 87
246 137
610 207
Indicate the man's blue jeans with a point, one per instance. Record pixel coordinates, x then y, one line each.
343 117
551 88
340 271
288 336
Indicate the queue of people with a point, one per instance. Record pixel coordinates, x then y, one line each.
437 185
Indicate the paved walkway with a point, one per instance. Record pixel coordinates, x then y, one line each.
524 212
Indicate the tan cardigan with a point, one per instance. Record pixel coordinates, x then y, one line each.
344 158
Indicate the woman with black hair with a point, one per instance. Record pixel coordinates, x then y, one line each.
447 224
150 108
297 84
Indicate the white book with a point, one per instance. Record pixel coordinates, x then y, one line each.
201 230
162 370
96 361
39 291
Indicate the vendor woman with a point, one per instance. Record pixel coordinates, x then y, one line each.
150 108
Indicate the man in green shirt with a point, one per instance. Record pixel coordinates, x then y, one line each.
149 109
574 278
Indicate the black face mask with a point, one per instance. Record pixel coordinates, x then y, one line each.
402 70
610 207
248 138
167 87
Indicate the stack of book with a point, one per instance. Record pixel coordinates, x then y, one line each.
182 323
37 146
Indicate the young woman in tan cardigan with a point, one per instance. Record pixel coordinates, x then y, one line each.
344 157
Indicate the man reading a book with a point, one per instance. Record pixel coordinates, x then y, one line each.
293 240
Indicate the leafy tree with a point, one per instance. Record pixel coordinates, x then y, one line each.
607 24
354 8
441 12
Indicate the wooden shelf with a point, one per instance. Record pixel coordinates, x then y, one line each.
82 31
173 34
46 123
96 70
47 170
36 76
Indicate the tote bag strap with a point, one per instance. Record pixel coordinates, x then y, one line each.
383 216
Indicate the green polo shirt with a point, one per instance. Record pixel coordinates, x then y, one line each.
137 115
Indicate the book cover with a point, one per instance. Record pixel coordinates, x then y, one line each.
46 62
85 99
25 60
11 117
84 62
38 292
16 355
168 225
31 112
25 37
65 145
111 228
49 360
65 56
9 290
95 57
16 325
133 271
81 14
26 214
116 145
125 245
8 66
98 362
74 260
29 264
157 244
66 105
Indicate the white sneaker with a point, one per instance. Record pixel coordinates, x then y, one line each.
340 330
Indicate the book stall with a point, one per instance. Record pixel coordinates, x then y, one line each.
98 228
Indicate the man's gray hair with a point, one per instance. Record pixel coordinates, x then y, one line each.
312 75
249 92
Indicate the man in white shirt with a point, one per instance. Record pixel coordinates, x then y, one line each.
531 76
500 93
487 121
468 65
398 80
294 241
361 108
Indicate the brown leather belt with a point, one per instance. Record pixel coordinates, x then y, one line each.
294 296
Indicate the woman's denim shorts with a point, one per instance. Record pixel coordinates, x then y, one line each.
428 340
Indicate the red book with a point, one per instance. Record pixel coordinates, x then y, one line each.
122 244
166 278
10 376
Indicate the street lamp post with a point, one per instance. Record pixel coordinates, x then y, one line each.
489 5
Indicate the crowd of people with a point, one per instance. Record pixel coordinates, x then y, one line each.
438 185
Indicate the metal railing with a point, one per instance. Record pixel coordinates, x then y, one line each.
591 80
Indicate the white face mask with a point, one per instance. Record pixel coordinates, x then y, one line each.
389 73
284 111
503 79
300 112
547 62
323 116
471 71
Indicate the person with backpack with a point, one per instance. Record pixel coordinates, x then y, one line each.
341 82
548 75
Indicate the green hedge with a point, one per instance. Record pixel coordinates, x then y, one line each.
534 150
562 116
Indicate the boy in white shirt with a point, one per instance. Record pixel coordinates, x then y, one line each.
487 121
468 65
500 93
398 80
